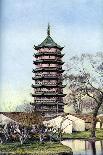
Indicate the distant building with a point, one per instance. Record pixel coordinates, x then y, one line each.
68 123
48 88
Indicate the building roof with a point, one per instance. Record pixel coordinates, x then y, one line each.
24 118
48 42
5 120
88 118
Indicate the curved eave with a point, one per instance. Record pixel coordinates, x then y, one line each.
61 71
50 103
48 61
38 47
43 77
49 110
47 70
45 94
42 85
47 53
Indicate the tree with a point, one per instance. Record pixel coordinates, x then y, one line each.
89 69
76 91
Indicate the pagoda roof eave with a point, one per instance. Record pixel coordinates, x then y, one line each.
47 85
39 47
47 53
47 103
48 43
43 77
48 61
46 69
45 94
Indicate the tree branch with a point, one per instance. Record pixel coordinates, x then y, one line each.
94 87
91 95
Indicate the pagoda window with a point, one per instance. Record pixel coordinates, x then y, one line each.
45 65
52 57
53 65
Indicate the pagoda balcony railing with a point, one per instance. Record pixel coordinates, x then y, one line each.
48 92
45 92
49 67
48 70
47 83
49 109
49 59
46 75
49 101
50 52
52 76
43 54
53 59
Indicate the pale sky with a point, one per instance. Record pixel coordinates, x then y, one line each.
75 24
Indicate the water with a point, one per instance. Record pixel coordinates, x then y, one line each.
82 147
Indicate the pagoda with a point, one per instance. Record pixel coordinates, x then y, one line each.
48 88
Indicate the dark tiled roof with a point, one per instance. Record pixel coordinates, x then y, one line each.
48 42
88 117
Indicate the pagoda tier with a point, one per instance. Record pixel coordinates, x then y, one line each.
47 85
42 102
48 61
48 88
46 77
58 54
48 110
48 94
48 69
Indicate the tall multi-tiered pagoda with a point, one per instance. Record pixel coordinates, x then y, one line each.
48 89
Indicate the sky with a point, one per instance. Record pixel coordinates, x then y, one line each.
75 24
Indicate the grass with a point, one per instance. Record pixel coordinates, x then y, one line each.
47 148
85 135
36 148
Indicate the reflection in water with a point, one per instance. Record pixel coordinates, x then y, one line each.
93 147
82 147
101 146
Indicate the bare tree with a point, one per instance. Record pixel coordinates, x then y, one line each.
76 92
89 69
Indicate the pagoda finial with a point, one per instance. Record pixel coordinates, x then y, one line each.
48 30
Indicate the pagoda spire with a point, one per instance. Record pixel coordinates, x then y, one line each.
48 30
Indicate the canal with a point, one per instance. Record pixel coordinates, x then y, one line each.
83 147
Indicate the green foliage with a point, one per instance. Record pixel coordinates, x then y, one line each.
37 148
85 135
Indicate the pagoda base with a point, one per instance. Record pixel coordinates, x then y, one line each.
49 115
50 110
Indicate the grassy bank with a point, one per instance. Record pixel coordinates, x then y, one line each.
47 148
85 135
